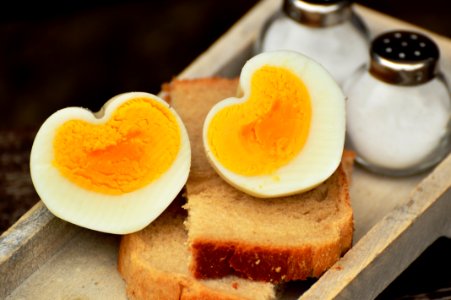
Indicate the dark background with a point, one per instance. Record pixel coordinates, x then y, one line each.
58 54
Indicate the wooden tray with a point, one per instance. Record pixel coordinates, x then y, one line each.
42 257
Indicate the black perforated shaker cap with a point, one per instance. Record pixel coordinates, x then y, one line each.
404 58
318 13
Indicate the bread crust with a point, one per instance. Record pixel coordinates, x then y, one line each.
218 258
144 280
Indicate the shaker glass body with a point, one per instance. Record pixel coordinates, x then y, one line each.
397 130
399 106
340 48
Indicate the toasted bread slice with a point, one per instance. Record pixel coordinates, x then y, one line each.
273 240
154 261
154 265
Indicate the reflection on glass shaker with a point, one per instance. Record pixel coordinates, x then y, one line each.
399 106
327 31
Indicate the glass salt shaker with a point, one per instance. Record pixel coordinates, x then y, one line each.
399 106
328 31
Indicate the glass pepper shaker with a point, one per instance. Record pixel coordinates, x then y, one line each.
328 31
399 106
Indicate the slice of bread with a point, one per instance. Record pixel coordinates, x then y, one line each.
273 240
154 261
154 265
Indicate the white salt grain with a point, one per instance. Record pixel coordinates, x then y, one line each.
393 126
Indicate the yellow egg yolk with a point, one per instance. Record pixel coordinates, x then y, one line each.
269 129
133 148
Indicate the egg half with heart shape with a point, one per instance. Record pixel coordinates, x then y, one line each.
285 134
114 171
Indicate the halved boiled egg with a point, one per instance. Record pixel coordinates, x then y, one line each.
114 171
285 134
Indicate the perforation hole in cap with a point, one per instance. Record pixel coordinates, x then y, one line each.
404 46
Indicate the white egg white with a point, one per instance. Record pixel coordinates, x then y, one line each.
118 214
322 152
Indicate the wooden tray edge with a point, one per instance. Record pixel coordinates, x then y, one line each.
29 243
392 243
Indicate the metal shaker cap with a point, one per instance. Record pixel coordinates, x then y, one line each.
403 58
318 13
